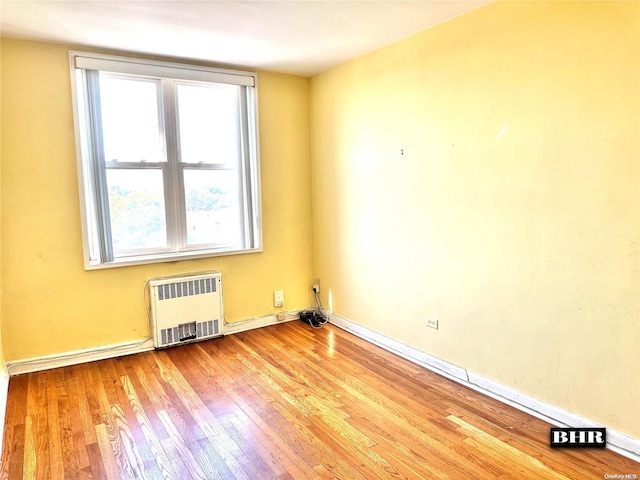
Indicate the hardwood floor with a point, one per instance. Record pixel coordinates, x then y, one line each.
285 401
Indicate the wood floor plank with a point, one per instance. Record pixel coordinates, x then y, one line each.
53 422
107 453
178 444
37 409
101 404
29 462
73 459
78 423
163 462
281 402
15 414
147 394
97 470
16 462
7 453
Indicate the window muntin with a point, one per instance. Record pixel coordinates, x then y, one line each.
168 165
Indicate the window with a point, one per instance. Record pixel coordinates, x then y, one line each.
168 160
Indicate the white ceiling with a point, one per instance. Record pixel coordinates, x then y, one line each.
299 37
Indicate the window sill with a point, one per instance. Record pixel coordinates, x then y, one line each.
168 258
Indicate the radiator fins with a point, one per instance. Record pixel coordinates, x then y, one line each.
186 289
189 331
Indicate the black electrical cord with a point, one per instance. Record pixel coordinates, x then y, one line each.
314 317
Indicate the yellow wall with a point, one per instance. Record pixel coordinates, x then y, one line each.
50 303
4 379
2 362
525 247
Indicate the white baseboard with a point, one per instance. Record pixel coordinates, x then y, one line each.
258 322
616 441
76 357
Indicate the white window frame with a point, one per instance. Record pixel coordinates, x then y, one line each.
97 248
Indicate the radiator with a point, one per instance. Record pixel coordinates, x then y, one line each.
186 309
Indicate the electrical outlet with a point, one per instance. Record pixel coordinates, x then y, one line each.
278 298
432 322
316 286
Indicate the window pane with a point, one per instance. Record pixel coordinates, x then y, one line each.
213 207
136 204
130 122
209 123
